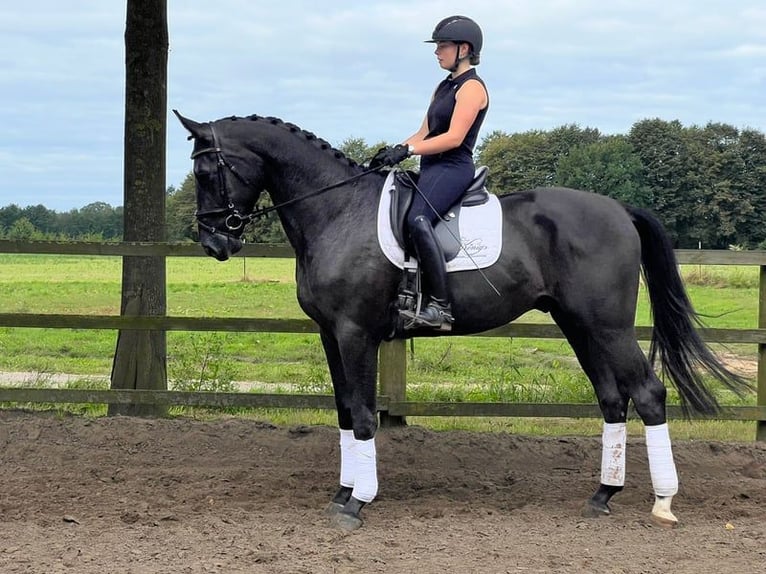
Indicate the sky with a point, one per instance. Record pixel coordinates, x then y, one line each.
358 69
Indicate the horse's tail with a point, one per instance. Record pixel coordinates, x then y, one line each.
682 353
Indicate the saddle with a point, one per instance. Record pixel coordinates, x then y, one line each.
447 230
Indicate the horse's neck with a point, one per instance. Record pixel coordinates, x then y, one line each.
329 216
298 165
322 197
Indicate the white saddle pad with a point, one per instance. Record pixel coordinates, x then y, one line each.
481 229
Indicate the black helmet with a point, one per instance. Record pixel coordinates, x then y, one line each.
460 29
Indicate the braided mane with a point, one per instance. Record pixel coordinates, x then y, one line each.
308 136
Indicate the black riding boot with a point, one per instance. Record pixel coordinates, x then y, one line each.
438 313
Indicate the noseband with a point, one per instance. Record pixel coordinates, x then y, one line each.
234 221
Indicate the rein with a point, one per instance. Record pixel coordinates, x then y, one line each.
264 210
235 220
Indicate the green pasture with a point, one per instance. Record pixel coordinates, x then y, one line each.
456 369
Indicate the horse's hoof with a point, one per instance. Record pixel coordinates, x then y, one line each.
664 521
333 508
595 510
346 521
661 513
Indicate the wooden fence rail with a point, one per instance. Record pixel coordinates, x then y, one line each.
392 402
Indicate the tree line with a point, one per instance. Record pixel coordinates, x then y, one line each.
707 184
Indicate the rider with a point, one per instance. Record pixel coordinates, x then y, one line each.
445 142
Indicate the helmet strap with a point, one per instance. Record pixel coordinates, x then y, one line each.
454 66
458 59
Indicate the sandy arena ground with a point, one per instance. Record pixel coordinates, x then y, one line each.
141 496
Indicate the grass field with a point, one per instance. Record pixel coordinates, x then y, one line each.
457 369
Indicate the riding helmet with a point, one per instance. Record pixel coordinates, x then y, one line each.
460 29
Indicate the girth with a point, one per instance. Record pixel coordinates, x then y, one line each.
447 229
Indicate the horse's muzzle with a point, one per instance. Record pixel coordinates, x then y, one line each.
219 245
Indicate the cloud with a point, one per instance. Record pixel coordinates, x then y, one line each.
349 68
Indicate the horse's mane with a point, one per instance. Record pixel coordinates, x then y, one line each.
308 136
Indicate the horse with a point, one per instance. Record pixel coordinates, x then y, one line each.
573 254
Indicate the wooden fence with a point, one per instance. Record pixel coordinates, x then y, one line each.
392 402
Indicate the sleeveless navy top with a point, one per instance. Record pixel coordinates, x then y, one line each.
439 116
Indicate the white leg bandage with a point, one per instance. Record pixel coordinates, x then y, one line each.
613 454
661 465
366 479
347 458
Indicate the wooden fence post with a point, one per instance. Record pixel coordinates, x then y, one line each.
392 366
760 431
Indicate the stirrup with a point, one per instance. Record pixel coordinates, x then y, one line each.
434 316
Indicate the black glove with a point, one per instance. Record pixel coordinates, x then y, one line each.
389 156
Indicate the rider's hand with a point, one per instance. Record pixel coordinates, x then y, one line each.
389 156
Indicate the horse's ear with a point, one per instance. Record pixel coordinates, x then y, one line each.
192 126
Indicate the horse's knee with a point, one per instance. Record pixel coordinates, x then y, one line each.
649 400
365 425
345 420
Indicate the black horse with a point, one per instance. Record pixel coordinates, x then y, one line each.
573 254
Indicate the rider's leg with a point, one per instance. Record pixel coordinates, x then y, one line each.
437 314
440 185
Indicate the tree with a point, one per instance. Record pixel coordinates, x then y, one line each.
180 219
726 210
23 230
42 218
357 149
182 225
95 222
563 139
101 219
705 183
140 360
516 161
529 159
752 150
609 167
9 214
268 228
669 173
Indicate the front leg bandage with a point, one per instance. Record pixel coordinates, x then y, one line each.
366 480
347 458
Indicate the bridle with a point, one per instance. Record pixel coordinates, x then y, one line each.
236 221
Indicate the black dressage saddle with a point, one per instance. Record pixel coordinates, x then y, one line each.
447 230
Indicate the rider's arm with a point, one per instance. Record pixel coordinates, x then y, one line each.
419 135
469 100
